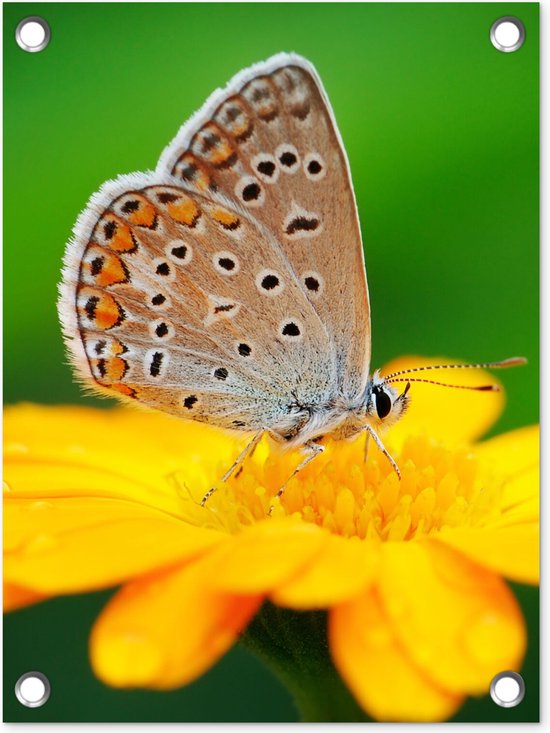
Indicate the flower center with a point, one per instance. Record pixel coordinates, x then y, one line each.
341 492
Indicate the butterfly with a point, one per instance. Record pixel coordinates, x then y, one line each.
229 286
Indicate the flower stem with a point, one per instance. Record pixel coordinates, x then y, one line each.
294 646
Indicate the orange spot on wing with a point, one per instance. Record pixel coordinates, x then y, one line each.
145 215
222 153
116 368
108 313
113 272
192 171
234 119
242 131
98 308
226 218
124 389
211 145
106 268
117 234
109 370
117 348
184 211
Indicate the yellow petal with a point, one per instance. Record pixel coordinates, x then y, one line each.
515 457
121 427
511 453
167 630
80 544
343 569
264 556
384 680
520 500
15 597
458 622
451 415
122 453
508 543
510 551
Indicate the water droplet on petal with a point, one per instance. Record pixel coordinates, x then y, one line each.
492 640
11 449
38 506
129 659
40 543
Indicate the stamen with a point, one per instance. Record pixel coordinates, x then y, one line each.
439 487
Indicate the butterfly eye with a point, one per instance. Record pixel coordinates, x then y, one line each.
383 404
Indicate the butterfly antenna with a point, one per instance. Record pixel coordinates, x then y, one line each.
504 364
481 388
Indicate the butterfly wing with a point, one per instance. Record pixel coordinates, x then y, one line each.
180 292
269 143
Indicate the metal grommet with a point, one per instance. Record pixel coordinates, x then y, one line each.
507 689
507 34
33 34
32 689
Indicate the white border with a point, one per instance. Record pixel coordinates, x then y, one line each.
545 446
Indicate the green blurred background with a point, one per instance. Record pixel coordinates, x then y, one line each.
442 135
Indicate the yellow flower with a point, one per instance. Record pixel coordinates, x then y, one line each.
409 571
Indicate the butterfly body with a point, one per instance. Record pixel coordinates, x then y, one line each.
340 417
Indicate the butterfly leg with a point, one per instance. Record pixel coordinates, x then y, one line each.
248 450
382 448
366 448
314 450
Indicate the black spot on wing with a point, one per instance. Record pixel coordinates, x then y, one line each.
302 224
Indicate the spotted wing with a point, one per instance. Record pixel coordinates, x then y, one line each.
270 144
162 301
213 288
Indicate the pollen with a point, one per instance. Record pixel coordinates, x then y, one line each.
342 493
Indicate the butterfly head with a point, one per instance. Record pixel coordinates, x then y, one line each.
383 403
